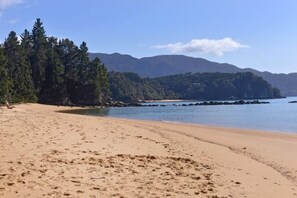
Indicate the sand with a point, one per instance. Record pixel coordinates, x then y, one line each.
50 154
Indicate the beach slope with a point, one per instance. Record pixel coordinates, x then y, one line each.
44 153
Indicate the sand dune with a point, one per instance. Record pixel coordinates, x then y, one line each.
50 154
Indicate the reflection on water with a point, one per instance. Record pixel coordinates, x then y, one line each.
279 115
90 111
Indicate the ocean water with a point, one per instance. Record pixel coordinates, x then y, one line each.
279 115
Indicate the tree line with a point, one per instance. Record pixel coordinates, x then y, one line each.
129 87
44 69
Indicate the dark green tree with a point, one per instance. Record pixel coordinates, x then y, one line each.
26 52
26 44
5 83
19 71
54 89
11 50
26 40
87 85
70 58
84 63
103 80
12 53
38 57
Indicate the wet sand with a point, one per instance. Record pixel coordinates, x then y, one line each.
50 154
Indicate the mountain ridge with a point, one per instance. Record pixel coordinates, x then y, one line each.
163 65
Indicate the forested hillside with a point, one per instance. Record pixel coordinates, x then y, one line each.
129 87
165 65
44 69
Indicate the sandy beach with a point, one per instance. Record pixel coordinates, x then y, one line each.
50 154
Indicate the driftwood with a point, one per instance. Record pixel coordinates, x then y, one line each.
8 105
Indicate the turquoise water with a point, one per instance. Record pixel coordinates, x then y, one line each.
279 115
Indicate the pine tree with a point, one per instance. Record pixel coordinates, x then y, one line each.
19 71
11 51
54 90
26 44
103 80
26 52
5 83
94 80
69 54
23 84
38 58
84 86
84 63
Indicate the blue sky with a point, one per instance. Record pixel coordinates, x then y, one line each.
257 34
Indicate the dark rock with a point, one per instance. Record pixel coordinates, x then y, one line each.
293 101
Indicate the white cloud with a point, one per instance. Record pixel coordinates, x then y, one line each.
7 3
12 21
204 46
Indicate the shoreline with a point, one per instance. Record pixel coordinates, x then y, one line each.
68 111
46 153
219 100
169 100
219 127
